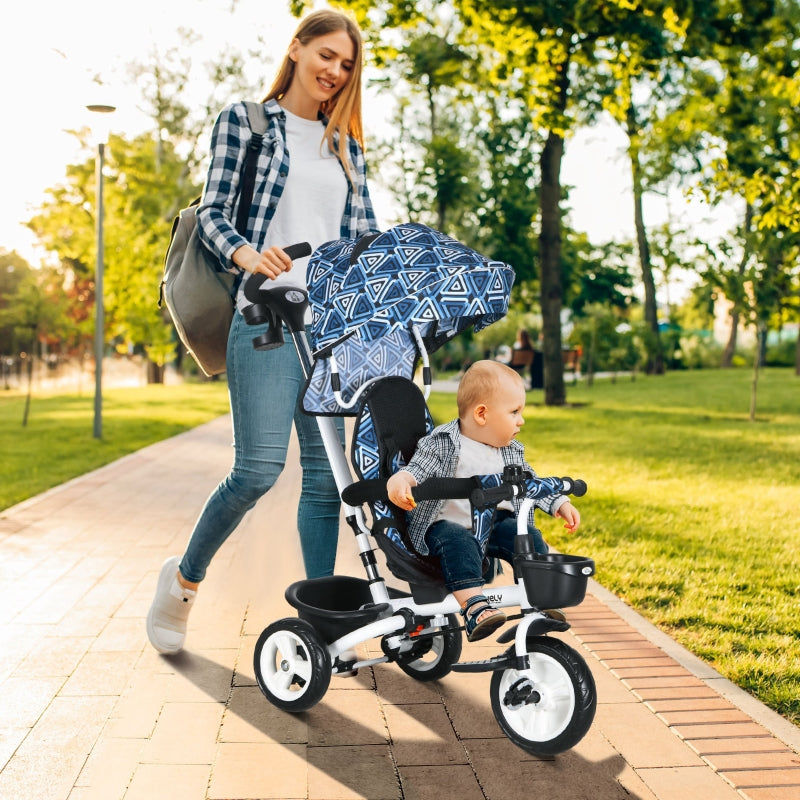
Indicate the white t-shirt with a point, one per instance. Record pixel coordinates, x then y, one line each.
313 200
474 458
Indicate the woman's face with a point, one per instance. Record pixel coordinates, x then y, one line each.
323 66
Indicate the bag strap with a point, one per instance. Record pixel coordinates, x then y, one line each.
258 123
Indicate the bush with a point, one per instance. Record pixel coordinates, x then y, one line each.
781 354
699 351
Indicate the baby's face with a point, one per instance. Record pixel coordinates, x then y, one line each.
504 413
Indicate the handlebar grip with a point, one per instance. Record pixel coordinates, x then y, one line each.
254 281
444 489
574 486
299 250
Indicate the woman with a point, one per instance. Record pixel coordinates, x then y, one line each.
314 113
521 352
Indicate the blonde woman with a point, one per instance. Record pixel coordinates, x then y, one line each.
311 187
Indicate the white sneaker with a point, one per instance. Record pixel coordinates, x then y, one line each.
166 620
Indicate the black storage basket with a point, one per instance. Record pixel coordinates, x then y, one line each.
555 580
333 605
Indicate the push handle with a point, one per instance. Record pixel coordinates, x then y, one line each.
299 250
275 306
254 282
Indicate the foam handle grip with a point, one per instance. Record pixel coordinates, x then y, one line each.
299 250
574 486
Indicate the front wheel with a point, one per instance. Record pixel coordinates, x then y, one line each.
548 707
292 665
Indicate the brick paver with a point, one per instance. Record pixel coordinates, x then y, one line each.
88 711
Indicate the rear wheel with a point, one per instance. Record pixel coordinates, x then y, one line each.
292 665
432 657
548 707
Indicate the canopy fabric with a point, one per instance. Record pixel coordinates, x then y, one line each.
410 274
367 296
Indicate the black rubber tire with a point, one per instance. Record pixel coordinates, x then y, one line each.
292 665
446 650
563 698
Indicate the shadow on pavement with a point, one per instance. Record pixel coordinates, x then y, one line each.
502 770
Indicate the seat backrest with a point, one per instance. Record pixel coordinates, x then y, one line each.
392 419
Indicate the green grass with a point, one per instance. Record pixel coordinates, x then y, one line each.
691 514
57 444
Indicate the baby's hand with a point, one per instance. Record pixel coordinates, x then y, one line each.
570 515
398 487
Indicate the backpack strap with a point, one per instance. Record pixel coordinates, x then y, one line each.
258 123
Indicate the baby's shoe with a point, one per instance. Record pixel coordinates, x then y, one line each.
481 619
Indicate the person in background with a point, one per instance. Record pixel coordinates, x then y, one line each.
314 113
521 352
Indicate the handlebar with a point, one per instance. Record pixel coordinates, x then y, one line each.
255 280
463 489
275 305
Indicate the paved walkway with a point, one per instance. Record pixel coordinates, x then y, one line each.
88 711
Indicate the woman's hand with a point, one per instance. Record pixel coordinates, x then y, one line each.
272 262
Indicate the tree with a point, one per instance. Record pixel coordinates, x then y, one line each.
744 105
14 271
600 275
557 52
33 313
149 177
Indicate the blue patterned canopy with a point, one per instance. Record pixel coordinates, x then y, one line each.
365 300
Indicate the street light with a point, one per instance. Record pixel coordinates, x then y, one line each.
101 136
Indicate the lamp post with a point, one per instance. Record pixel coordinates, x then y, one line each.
101 135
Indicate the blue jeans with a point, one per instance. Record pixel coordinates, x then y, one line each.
461 555
264 389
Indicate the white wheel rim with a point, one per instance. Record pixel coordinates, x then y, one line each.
285 663
549 717
431 658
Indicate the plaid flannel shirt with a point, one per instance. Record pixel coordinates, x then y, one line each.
437 456
219 206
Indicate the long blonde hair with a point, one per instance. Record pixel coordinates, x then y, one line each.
343 110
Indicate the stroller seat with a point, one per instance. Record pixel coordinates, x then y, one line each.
392 419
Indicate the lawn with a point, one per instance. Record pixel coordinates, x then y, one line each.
691 514
57 443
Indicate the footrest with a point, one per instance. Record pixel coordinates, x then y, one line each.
487 665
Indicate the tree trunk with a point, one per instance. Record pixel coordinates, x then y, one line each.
155 372
761 336
797 355
655 354
550 270
730 345
550 276
730 348
31 356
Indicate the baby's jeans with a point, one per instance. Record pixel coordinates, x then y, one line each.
460 553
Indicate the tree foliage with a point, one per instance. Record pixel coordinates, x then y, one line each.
147 179
487 96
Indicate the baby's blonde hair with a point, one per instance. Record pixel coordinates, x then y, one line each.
480 382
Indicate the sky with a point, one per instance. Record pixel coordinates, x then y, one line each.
52 49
